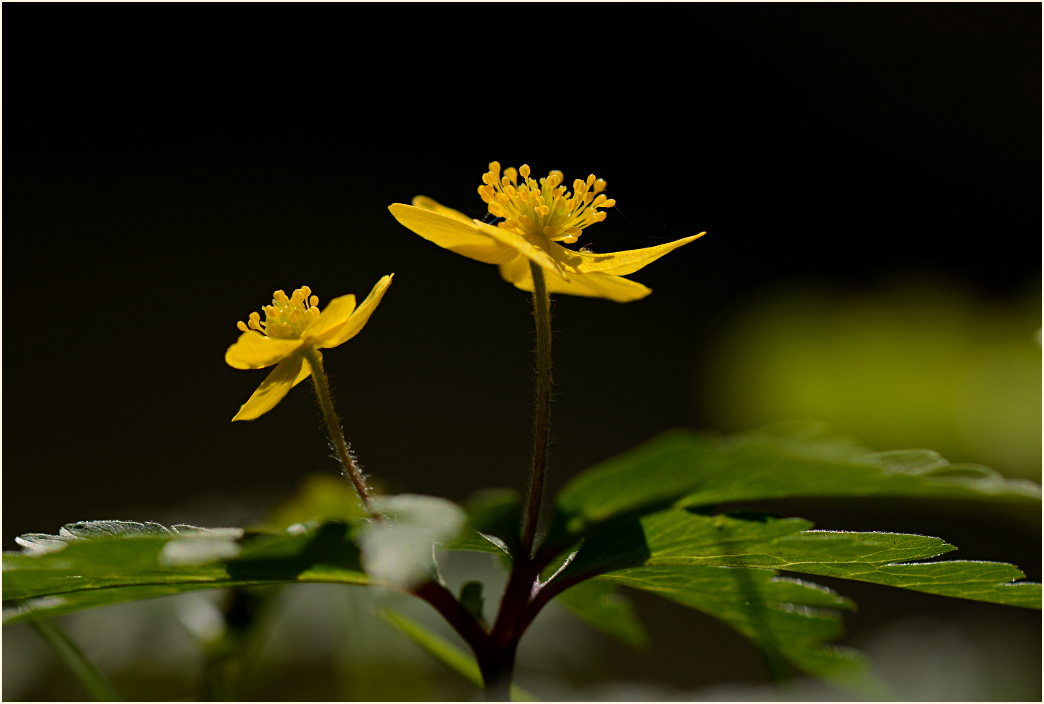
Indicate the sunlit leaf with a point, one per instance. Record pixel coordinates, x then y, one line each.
686 469
107 562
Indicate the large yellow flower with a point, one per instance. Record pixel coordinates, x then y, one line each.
536 217
293 325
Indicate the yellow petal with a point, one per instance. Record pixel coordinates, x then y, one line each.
333 316
273 388
615 288
361 315
536 249
255 351
452 233
306 369
426 203
617 263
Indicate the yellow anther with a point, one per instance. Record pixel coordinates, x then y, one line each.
307 291
313 301
285 329
494 166
543 207
242 326
295 316
280 297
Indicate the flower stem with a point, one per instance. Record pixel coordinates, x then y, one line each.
333 424
84 669
542 429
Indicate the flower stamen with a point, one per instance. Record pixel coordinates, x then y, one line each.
543 208
287 317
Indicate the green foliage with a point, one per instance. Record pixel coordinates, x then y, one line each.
603 606
687 469
108 562
644 520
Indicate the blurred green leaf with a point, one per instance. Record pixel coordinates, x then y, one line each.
106 562
401 549
320 499
800 459
456 659
602 606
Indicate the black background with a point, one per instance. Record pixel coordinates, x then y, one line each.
162 181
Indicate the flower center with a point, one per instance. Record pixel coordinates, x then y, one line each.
543 208
287 317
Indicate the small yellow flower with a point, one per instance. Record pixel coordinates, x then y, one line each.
537 216
293 325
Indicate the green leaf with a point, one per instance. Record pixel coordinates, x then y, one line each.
790 621
683 537
320 499
686 469
106 562
722 564
494 520
602 606
456 659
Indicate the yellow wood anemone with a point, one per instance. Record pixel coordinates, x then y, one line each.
294 327
536 217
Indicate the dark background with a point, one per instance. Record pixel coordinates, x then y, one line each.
157 190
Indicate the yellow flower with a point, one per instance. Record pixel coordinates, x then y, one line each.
293 326
537 216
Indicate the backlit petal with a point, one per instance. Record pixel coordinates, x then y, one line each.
617 263
427 203
273 388
451 232
333 316
360 316
615 288
255 351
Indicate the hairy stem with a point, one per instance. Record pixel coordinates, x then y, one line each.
542 429
84 669
333 424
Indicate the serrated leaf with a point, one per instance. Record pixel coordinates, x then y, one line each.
686 469
456 659
603 607
108 562
788 619
682 537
